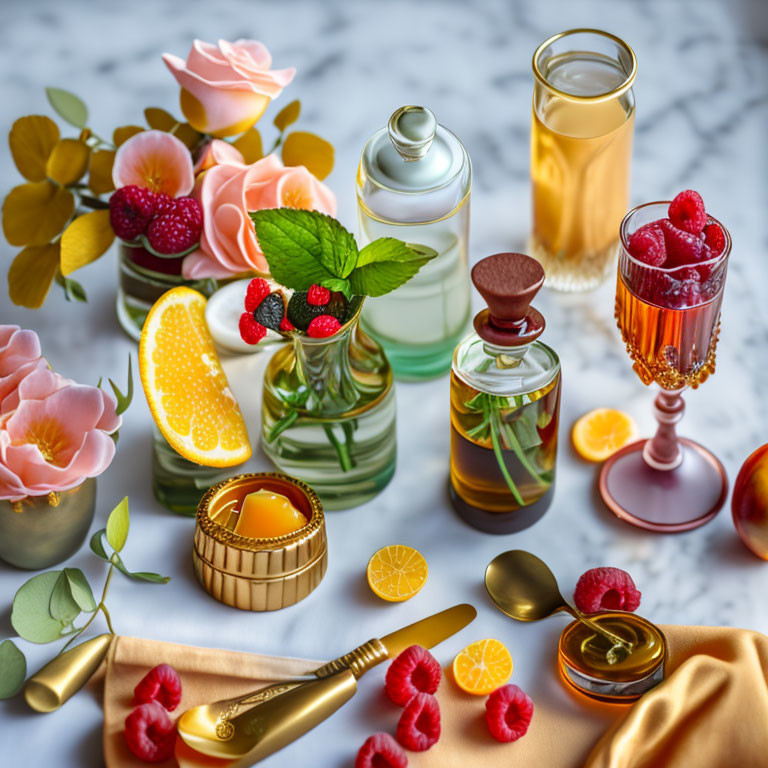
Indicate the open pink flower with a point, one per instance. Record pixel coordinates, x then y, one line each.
227 193
20 354
56 437
156 160
218 152
226 88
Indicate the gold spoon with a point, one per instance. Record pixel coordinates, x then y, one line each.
523 587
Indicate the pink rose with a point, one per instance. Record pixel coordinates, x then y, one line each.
218 152
225 89
228 245
55 437
20 354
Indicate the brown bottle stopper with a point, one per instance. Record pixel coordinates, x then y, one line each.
508 282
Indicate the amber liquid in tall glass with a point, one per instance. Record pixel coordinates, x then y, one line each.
580 164
673 347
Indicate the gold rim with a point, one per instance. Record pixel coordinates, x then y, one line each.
615 93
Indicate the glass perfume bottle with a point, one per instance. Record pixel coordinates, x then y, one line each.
505 403
413 183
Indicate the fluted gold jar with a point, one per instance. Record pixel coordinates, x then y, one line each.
259 574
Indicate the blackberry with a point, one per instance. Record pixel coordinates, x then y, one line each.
270 311
301 313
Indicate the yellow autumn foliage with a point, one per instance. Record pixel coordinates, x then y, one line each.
309 150
68 161
31 274
84 240
32 138
34 213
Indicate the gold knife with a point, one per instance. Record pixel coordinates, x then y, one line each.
279 714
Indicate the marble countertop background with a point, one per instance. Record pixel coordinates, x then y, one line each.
702 109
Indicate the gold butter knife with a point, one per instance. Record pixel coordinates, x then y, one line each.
251 727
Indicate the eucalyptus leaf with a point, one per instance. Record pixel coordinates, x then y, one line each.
155 578
123 400
30 615
13 669
70 107
62 605
73 291
97 544
80 589
117 525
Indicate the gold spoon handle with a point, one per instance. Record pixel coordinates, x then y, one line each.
595 627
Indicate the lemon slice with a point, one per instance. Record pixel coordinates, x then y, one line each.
396 573
482 667
185 385
597 435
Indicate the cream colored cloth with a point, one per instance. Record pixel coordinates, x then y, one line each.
710 712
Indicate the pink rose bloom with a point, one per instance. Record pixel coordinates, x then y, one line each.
20 354
218 152
228 245
225 89
55 437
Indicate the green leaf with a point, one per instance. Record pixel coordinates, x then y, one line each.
97 544
338 247
338 284
385 264
13 669
124 400
30 615
72 289
117 525
80 589
62 605
155 578
68 106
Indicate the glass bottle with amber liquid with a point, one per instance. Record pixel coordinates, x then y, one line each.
505 403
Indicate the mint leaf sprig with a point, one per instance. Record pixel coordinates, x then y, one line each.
304 248
47 606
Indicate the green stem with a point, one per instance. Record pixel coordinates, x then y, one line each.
513 443
282 424
349 432
342 450
500 457
94 202
100 607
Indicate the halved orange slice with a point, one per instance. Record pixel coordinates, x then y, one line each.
397 572
482 667
597 435
185 385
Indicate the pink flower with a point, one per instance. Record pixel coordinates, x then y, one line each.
225 89
20 354
156 160
55 437
218 152
227 193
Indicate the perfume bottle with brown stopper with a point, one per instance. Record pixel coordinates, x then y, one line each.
505 403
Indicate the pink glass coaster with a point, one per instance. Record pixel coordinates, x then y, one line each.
666 501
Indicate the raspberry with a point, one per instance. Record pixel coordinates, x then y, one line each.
163 203
687 212
414 671
508 713
170 234
647 245
322 326
286 325
130 210
682 247
318 296
257 291
609 589
251 332
161 684
419 725
149 733
381 751
188 209
714 237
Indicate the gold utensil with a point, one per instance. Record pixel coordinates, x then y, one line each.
261 722
523 587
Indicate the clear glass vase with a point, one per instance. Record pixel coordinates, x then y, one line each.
328 414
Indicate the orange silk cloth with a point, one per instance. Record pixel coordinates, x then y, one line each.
710 712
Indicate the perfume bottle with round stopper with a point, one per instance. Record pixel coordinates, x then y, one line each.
413 183
505 403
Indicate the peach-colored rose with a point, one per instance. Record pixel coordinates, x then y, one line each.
228 245
55 437
156 160
226 88
20 354
218 152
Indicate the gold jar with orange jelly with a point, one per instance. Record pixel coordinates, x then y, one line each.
267 573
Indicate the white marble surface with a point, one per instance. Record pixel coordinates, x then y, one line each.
702 99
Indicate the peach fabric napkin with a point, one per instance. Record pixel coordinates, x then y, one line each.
711 711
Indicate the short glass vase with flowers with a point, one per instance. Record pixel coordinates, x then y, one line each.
64 218
56 438
328 407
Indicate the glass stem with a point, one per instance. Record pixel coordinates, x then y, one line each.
662 451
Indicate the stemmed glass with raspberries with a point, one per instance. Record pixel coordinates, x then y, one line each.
672 267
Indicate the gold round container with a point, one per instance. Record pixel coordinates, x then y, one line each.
259 574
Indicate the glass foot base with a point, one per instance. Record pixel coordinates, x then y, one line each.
668 501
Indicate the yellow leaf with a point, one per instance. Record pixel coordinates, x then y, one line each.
288 115
31 139
124 132
31 274
159 119
250 146
84 240
306 149
68 161
187 135
100 171
34 213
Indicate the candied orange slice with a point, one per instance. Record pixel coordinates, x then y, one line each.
482 667
185 385
597 435
397 572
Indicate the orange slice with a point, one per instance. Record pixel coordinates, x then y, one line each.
597 435
185 385
482 667
396 573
